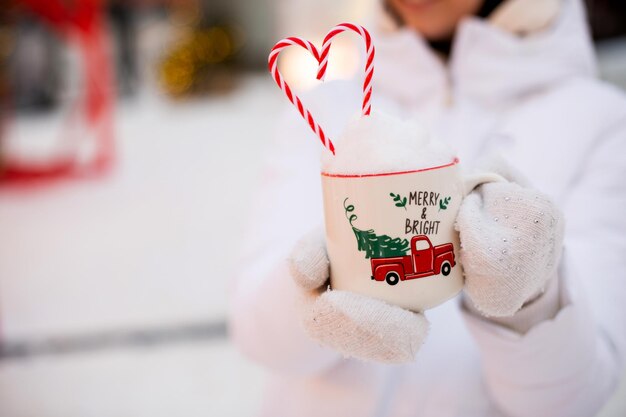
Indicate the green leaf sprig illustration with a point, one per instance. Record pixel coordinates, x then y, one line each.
400 201
443 203
375 246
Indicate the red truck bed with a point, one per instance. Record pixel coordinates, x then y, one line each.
446 247
405 261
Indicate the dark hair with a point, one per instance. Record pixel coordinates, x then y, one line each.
488 7
444 45
485 10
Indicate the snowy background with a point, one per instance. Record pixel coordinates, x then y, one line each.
114 290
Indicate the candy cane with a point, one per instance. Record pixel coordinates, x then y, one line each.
322 59
369 62
294 99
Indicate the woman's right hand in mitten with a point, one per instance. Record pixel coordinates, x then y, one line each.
352 324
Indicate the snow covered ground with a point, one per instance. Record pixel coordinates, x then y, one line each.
98 277
113 291
154 241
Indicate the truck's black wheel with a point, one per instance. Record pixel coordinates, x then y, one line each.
392 278
445 269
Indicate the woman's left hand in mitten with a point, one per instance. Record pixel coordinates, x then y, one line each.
511 240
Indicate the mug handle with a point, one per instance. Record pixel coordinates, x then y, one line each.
475 180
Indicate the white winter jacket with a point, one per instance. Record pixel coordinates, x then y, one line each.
536 101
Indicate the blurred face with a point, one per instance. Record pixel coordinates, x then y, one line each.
434 19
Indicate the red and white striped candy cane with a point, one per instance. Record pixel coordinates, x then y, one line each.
282 84
369 61
322 59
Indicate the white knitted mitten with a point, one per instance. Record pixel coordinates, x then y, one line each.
511 240
352 324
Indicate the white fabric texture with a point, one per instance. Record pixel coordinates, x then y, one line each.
543 307
308 262
365 328
525 16
533 99
353 325
511 239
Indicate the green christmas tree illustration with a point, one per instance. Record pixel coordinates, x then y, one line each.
375 246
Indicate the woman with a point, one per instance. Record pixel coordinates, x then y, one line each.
518 79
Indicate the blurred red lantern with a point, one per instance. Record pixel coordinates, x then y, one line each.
80 24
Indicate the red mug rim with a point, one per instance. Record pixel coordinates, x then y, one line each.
386 174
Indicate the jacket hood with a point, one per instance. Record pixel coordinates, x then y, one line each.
487 64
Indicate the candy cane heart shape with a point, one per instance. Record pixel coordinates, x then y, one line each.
369 61
322 59
293 98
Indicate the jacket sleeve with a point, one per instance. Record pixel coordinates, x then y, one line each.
571 364
264 320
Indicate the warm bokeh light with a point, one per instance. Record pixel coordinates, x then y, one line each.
300 68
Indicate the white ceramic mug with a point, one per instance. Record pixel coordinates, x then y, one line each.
391 236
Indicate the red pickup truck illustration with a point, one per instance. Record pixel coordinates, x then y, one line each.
425 260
